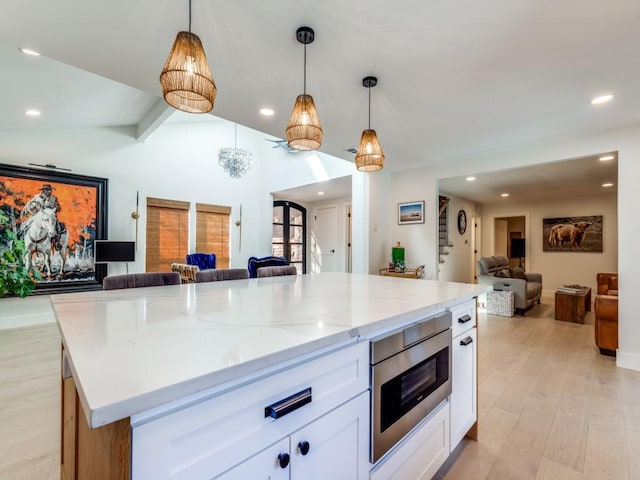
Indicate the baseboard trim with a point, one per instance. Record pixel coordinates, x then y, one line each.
628 360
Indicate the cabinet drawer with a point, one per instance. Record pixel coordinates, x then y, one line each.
208 438
463 317
422 453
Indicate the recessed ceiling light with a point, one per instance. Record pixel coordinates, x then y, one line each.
267 112
28 51
471 179
609 184
320 193
32 113
606 158
602 99
504 195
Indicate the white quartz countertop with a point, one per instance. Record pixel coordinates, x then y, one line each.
135 349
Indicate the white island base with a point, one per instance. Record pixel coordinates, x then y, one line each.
149 431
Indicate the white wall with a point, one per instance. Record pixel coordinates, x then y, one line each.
420 240
561 268
625 140
180 162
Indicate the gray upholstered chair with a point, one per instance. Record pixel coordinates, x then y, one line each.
527 287
277 271
136 280
221 274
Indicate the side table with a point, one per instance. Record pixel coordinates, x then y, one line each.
572 307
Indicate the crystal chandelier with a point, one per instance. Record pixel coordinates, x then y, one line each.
235 161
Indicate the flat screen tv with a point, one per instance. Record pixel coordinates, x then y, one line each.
114 251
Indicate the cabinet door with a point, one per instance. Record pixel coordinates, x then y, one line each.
338 444
263 466
463 392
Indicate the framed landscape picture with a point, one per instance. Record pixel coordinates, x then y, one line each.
412 212
58 215
572 234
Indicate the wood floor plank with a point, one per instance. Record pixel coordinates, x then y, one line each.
550 470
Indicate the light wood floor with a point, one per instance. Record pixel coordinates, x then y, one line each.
30 403
550 406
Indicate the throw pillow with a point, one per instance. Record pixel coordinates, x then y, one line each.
517 272
503 273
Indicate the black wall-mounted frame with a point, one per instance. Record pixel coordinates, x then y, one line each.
83 211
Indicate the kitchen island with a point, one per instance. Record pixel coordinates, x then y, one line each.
139 362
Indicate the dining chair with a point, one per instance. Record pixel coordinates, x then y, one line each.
277 271
137 280
221 274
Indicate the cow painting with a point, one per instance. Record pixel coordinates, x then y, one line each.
572 234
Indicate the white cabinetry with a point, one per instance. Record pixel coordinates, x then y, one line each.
332 447
463 398
422 453
232 434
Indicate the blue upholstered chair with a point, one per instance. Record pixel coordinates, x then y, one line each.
205 261
255 263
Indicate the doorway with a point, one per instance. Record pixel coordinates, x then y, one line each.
324 236
508 227
289 237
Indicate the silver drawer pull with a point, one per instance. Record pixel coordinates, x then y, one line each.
464 319
466 341
288 405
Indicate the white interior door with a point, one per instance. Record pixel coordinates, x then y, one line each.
476 246
325 235
348 235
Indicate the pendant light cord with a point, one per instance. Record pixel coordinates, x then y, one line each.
304 88
189 16
369 107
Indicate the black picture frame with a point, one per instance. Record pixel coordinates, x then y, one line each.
83 210
462 222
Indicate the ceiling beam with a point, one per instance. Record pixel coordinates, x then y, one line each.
154 117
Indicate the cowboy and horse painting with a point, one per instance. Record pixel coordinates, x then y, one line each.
58 217
43 234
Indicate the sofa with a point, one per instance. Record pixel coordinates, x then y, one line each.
526 287
606 313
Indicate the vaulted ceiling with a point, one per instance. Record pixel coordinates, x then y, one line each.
454 77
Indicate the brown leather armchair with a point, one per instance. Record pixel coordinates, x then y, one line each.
606 313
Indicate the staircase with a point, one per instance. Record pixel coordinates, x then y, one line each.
443 229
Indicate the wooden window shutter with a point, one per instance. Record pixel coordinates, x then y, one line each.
167 234
212 232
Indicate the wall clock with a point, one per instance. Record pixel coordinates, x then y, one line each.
462 222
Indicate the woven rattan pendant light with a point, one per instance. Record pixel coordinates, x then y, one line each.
304 131
187 83
369 157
